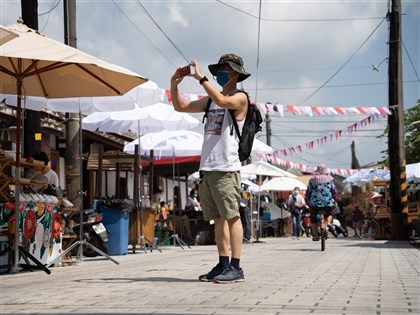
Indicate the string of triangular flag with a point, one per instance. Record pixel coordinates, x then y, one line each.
278 109
306 168
328 138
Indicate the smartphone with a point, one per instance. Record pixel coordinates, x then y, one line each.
184 71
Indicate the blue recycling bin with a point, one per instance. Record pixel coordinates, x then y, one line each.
116 222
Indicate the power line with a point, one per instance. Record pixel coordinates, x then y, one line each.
53 6
144 35
329 86
409 58
299 20
347 61
164 34
258 51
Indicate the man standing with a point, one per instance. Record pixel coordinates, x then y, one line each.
296 203
220 165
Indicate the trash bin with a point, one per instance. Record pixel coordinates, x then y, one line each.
4 254
115 219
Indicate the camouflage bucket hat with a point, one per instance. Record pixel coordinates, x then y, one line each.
235 62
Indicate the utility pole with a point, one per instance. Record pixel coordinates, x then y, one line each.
398 186
32 121
268 128
355 191
72 167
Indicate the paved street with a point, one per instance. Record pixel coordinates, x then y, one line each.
283 276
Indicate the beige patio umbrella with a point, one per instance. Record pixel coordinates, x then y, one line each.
6 35
31 64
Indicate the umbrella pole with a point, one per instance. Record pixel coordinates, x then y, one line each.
17 249
17 177
258 210
143 239
81 242
177 239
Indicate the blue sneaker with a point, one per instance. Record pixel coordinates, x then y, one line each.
229 275
208 277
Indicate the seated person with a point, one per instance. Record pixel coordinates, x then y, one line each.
164 210
192 202
43 172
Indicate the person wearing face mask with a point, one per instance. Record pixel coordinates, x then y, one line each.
220 180
296 204
192 202
321 195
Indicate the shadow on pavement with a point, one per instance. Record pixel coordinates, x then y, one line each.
381 244
130 280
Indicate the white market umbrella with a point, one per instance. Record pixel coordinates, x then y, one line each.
251 186
149 91
31 64
168 143
194 145
245 180
259 147
147 94
83 105
283 184
143 120
413 172
263 168
366 176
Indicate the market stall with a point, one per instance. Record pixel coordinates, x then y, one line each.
39 227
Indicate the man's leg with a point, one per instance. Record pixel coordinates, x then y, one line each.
221 234
236 233
234 273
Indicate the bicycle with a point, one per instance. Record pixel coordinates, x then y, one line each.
367 228
322 229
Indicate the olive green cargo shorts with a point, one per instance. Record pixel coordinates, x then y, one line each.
220 194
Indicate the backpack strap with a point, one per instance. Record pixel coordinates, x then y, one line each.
232 113
235 124
207 110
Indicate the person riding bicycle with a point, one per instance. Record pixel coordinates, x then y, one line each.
321 195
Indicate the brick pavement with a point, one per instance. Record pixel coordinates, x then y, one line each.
283 276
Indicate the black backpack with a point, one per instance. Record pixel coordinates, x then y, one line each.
252 125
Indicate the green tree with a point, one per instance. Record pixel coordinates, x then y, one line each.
412 136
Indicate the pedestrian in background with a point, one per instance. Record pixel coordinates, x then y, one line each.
296 204
321 195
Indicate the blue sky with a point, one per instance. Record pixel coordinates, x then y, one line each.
291 52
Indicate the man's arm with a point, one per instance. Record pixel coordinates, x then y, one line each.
182 105
237 102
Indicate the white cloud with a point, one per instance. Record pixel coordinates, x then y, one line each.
176 16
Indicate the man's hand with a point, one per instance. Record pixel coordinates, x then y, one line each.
176 78
198 73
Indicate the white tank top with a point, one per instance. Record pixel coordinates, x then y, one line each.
220 147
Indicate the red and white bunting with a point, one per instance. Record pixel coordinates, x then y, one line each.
305 168
278 109
328 138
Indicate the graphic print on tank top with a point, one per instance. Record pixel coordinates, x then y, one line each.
214 121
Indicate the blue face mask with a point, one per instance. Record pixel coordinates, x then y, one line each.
222 78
